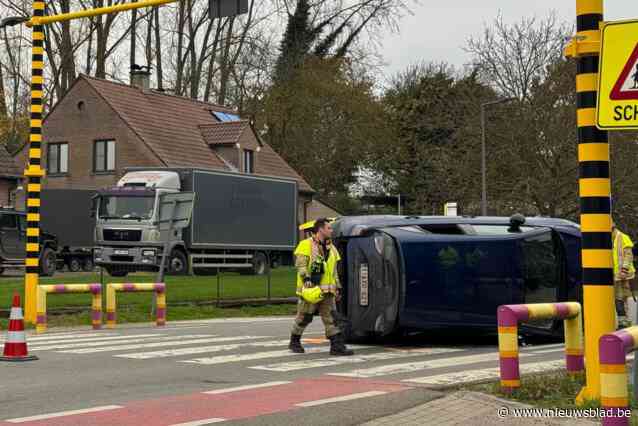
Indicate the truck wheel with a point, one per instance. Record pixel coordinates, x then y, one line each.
260 264
47 262
88 265
177 263
75 265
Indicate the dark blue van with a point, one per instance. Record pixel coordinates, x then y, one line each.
419 273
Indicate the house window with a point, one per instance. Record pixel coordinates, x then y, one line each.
57 158
249 161
104 156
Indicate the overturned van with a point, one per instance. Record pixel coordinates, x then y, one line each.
419 273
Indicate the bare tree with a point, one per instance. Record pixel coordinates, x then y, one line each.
512 57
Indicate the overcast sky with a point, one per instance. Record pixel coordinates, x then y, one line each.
438 29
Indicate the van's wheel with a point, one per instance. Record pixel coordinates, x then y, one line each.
260 264
88 265
47 263
177 263
75 265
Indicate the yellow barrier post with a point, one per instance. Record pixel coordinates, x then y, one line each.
111 300
96 304
509 316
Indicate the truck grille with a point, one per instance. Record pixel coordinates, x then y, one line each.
122 235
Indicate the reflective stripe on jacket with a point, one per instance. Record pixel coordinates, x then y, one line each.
623 256
330 279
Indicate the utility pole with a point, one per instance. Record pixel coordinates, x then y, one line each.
595 193
484 154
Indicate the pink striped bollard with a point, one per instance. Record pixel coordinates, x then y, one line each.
614 393
510 316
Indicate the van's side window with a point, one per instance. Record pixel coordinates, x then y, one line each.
8 221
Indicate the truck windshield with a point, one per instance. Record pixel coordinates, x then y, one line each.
122 207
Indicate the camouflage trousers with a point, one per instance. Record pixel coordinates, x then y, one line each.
305 312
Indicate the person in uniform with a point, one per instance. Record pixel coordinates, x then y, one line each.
318 287
624 272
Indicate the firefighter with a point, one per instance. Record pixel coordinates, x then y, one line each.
318 287
624 272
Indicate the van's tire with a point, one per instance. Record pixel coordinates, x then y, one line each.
117 272
48 264
260 264
88 265
75 264
177 263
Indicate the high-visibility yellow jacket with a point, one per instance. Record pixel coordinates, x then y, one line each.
623 257
306 253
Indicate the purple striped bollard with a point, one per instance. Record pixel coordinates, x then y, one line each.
614 393
510 316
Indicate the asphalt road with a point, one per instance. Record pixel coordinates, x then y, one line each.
141 374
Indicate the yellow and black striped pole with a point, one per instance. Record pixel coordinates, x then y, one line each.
34 171
595 194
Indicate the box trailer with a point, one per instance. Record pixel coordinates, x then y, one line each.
66 213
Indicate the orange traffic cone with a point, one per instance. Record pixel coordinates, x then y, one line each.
15 347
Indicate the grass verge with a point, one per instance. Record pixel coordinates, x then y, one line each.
183 290
550 390
141 313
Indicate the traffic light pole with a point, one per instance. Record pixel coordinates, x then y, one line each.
595 193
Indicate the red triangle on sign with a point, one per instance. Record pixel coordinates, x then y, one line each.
620 93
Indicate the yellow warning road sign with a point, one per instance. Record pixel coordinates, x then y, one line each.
617 106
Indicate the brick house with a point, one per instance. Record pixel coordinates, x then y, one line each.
101 127
10 178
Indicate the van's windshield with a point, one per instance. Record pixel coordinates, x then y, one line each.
126 207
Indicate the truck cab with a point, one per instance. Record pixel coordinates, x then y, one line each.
126 234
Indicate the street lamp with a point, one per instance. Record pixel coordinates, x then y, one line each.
483 154
12 21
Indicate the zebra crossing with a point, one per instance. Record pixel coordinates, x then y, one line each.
430 366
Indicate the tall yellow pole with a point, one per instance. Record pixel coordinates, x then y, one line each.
34 171
595 195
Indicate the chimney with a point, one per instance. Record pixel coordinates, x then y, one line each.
141 77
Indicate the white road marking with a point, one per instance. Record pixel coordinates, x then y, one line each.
61 336
544 351
63 414
223 359
468 376
165 342
202 349
76 343
154 338
246 387
340 398
422 365
251 357
201 422
333 361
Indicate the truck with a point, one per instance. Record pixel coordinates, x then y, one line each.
240 222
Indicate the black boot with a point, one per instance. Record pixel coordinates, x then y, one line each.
338 346
295 344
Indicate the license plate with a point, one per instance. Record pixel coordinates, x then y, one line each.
363 284
121 252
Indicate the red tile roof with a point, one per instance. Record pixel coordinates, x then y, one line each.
224 133
181 131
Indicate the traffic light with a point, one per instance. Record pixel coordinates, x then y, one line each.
224 8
